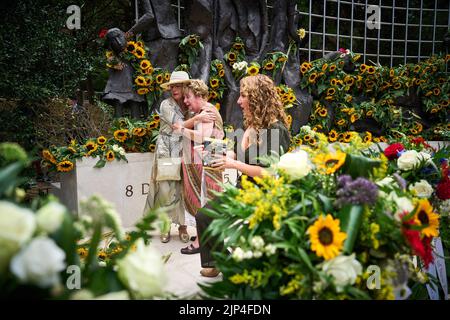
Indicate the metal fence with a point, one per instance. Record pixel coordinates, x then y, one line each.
410 30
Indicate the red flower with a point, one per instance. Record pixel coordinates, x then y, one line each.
420 140
443 189
420 247
391 152
102 33
342 50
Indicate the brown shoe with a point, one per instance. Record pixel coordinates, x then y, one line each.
184 236
209 272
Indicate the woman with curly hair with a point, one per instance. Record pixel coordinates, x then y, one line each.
265 134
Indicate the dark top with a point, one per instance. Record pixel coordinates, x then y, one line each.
274 139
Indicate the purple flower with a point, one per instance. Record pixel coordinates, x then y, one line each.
400 181
359 191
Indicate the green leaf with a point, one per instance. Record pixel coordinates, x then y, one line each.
351 217
8 176
359 166
100 163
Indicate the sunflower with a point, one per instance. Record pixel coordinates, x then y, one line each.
325 67
219 66
354 117
221 73
139 53
312 78
333 82
253 70
416 68
323 112
368 137
121 135
341 122
103 147
212 95
145 64
303 70
436 91
214 82
282 59
82 252
65 166
159 78
238 46
47 155
269 65
142 91
348 98
91 146
131 46
140 81
363 68
152 125
232 56
392 73
109 54
156 117
427 218
331 91
326 237
307 137
329 163
217 105
72 149
312 142
101 140
371 70
110 155
444 103
332 68
347 137
289 120
139 132
193 40
152 148
332 135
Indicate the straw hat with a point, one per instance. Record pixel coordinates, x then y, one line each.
176 77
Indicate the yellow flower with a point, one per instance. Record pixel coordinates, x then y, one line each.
324 67
330 162
145 64
253 70
326 237
142 91
269 65
341 122
91 146
371 70
110 156
368 137
332 68
323 112
301 33
214 82
109 54
140 81
193 40
121 135
72 149
153 124
47 155
312 77
82 252
159 78
217 105
140 132
331 91
221 73
231 56
65 166
139 53
427 218
131 46
238 46
289 119
219 66
152 148
101 140
332 135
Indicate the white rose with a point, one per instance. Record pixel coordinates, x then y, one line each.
248 254
257 242
238 254
402 203
424 156
422 189
344 270
50 217
408 160
121 151
295 164
386 182
257 254
115 148
142 271
39 263
17 225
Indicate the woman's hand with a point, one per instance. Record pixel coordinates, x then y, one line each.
176 127
223 162
205 116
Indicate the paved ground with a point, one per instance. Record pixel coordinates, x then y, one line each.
183 270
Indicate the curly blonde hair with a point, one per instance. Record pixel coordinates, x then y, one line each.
198 88
264 102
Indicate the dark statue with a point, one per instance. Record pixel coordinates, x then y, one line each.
119 91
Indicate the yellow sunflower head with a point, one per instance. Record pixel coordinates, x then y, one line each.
139 132
91 147
193 40
427 218
101 140
221 73
145 64
110 155
214 82
121 135
142 91
253 70
152 148
326 237
332 135
139 53
269 65
330 162
65 166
